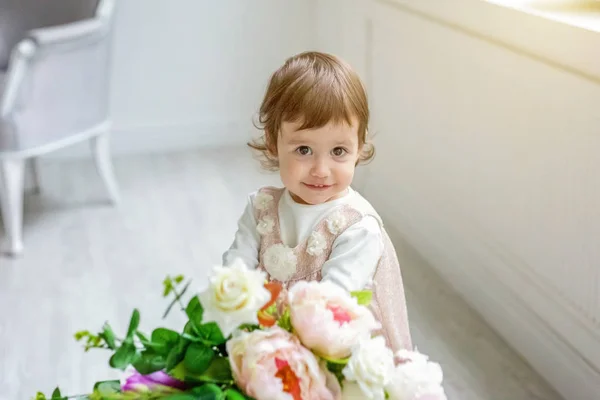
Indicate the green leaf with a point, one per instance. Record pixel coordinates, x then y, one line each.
40 396
181 396
178 372
364 297
232 394
219 371
208 392
167 286
124 356
164 336
143 338
336 369
211 334
117 396
178 279
134 323
56 394
177 353
198 358
163 340
336 361
149 362
107 387
285 321
190 330
81 334
195 311
109 336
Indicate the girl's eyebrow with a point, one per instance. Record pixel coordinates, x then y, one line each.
301 140
298 140
344 142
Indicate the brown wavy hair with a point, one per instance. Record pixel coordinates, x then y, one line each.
315 88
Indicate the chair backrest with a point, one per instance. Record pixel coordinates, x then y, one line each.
64 89
17 17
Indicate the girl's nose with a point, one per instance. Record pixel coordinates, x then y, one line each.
320 169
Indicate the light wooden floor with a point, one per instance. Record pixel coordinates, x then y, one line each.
86 263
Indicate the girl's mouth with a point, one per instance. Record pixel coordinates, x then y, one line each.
317 186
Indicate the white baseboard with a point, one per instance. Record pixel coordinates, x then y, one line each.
465 262
153 139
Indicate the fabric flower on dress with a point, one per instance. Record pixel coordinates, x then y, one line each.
280 262
336 222
262 201
265 225
316 244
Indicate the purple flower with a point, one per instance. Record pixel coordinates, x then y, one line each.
156 382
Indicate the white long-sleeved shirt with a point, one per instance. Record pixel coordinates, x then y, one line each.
355 252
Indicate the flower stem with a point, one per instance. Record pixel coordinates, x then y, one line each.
177 299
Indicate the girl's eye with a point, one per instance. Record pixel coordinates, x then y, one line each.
303 150
338 151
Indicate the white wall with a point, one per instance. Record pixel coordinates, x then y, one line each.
189 73
488 164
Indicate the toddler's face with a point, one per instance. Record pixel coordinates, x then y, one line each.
317 165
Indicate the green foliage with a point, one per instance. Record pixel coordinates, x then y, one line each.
232 394
336 369
363 297
124 356
196 356
211 334
149 362
162 340
194 311
285 321
92 341
108 336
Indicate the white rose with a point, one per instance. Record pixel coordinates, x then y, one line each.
336 222
351 391
416 378
234 296
262 201
316 244
371 366
265 226
280 262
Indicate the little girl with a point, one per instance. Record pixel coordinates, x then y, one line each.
315 117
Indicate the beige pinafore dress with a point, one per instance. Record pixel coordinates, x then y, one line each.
304 262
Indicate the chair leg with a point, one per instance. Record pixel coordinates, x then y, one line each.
11 204
35 174
101 150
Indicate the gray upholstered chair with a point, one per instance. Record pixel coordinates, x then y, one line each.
54 92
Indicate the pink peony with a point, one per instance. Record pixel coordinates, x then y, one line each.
272 364
328 319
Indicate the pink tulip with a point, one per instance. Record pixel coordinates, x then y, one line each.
272 364
327 319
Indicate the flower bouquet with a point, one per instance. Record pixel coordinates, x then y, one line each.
247 339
